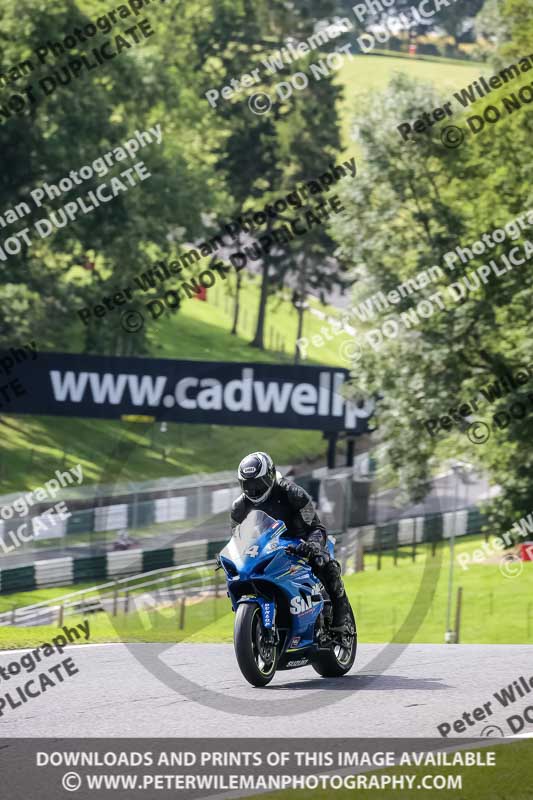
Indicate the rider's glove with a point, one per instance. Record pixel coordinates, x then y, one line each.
306 549
313 550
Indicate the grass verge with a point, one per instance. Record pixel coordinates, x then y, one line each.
510 779
495 609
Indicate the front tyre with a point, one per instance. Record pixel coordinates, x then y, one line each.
339 659
257 658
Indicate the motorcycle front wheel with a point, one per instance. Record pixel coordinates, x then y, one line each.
339 659
257 659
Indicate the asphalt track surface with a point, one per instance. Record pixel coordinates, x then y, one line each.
187 690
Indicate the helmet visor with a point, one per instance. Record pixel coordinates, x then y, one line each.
254 488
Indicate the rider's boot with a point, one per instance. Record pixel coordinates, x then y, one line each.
341 612
331 578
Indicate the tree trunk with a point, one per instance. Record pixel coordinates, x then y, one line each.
237 305
301 312
302 294
258 340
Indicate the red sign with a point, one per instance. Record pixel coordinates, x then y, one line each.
526 551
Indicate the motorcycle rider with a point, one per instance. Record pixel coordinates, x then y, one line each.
264 489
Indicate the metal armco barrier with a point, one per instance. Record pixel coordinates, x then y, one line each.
69 570
132 594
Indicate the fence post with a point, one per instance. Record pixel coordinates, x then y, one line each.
359 555
217 591
126 602
343 559
115 599
458 614
378 534
182 614
396 548
60 616
413 551
347 497
14 612
199 500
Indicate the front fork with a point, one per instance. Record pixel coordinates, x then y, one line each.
268 616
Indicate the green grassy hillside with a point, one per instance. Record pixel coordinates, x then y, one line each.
365 73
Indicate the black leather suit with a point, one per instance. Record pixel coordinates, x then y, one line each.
294 506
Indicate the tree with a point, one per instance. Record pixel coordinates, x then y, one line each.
488 22
264 157
71 127
414 203
453 17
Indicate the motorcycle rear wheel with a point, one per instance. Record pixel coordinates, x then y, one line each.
257 660
339 660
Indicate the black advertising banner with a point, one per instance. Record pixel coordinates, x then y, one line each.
105 387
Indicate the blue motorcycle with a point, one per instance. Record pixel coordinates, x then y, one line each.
283 612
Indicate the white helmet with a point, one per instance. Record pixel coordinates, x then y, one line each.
257 476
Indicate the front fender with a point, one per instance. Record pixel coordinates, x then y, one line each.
268 608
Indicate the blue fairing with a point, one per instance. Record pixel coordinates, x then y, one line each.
260 571
267 607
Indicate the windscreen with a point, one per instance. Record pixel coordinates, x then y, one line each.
246 534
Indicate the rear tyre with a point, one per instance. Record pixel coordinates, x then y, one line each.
339 660
256 658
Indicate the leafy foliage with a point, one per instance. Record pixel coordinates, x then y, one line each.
79 122
414 202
